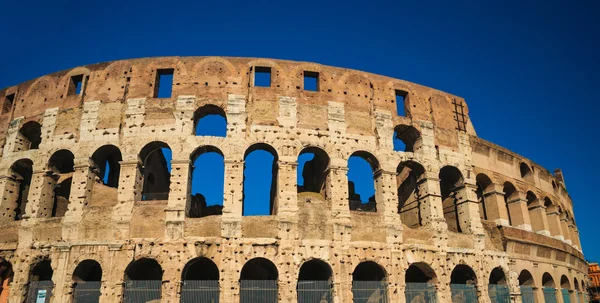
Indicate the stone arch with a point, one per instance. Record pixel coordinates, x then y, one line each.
409 176
510 194
548 280
200 274
409 136
213 72
369 282
526 279
143 274
155 171
258 279
87 278
314 170
498 289
38 89
205 201
355 200
484 187
67 80
420 272
314 281
107 167
30 136
16 193
252 156
209 111
40 278
410 97
61 166
564 282
463 274
357 85
526 172
451 182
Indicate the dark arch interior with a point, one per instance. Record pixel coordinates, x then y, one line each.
405 138
22 172
408 175
463 274
483 185
144 269
313 170
200 269
62 191
87 271
62 166
259 269
531 198
419 273
62 162
576 284
510 193
497 276
525 278
526 172
6 272
368 271
155 170
260 180
41 271
106 159
451 181
547 280
32 132
206 191
360 178
315 270
564 282
210 120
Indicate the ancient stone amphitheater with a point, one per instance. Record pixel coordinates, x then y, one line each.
93 211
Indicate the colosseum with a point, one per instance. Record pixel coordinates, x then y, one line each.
96 178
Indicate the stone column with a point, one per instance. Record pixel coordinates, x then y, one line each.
564 223
179 195
495 206
80 196
41 195
519 214
337 190
9 188
130 190
468 210
430 202
386 197
60 277
554 222
539 221
231 221
287 197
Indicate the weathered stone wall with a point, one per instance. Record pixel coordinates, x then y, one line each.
351 112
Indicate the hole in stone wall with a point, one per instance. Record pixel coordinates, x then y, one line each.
163 85
87 271
547 280
22 172
311 81
259 269
497 276
313 170
200 269
8 102
525 278
6 277
156 171
314 282
41 271
463 274
451 181
401 97
409 206
526 172
61 166
260 181
406 138
31 135
144 269
315 270
75 85
420 273
208 175
107 168
210 120
361 181
262 76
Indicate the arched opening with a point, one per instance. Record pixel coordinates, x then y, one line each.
369 283
210 120
536 213
565 289
30 136
314 282
451 182
362 167
409 175
200 281
498 287
549 288
313 171
6 276
260 181
463 284
87 279
526 285
208 178
420 283
510 194
40 282
406 138
156 171
526 172
107 168
484 186
258 281
61 166
143 281
17 189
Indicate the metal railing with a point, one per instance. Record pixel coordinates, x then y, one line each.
527 294
463 293
155 196
420 292
549 294
314 292
566 296
369 291
193 291
39 291
87 292
142 291
258 291
499 293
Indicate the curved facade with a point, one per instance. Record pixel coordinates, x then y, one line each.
90 207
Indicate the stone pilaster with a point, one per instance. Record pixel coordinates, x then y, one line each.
519 214
387 205
9 188
539 221
80 196
564 224
553 217
236 115
179 197
130 190
41 195
495 206
288 199
468 210
231 222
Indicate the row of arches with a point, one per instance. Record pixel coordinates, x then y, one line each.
259 281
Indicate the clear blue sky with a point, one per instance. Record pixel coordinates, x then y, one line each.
527 69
